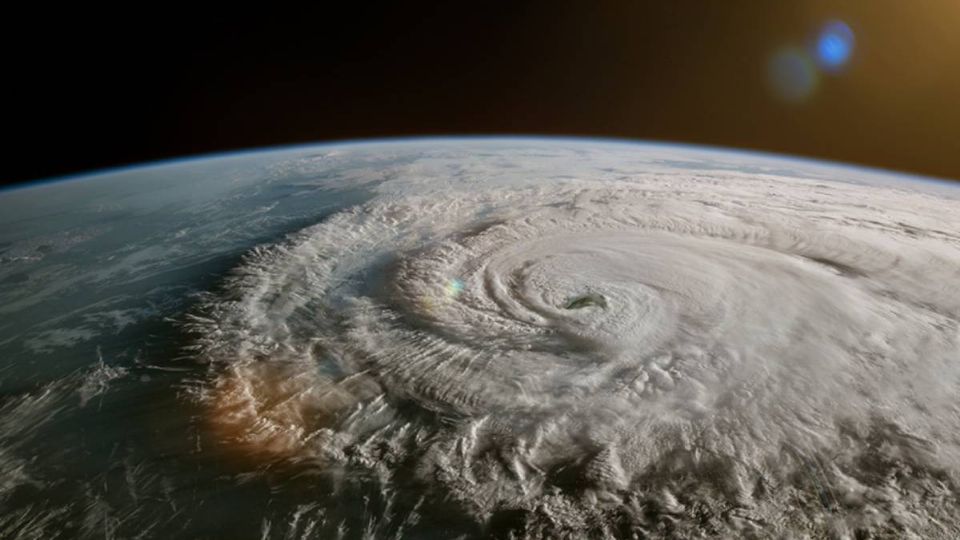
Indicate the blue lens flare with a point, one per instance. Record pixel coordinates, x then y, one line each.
834 45
795 72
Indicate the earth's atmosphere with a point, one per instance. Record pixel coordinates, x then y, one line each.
481 338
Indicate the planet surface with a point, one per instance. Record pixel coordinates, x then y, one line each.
481 338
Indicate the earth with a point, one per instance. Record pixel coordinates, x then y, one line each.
481 337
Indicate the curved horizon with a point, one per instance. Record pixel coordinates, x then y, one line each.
475 138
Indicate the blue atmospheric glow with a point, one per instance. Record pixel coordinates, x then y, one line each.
834 45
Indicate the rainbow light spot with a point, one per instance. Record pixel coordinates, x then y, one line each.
453 288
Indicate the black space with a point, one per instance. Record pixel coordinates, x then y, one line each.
91 88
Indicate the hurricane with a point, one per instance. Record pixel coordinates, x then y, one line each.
641 355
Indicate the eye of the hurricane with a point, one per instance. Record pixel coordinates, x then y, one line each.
586 301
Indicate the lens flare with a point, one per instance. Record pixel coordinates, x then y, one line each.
453 288
793 75
834 45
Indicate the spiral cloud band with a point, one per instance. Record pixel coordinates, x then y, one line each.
549 350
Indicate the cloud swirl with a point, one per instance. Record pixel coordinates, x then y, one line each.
665 354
